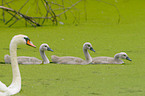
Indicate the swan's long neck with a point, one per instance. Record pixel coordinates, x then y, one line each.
44 57
87 56
16 82
116 57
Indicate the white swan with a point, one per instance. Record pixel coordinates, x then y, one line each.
32 60
75 60
111 60
15 86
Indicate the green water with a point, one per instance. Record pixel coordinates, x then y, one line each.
107 38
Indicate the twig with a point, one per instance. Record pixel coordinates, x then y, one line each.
20 14
64 10
13 22
55 4
9 2
52 12
31 23
69 8
115 7
12 17
3 12
47 11
61 9
42 17
75 18
16 13
23 5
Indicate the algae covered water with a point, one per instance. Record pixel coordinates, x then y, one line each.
107 38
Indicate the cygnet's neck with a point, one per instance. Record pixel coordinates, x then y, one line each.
87 56
16 83
116 57
44 57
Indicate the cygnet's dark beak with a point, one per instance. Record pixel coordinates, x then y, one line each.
127 58
92 49
49 49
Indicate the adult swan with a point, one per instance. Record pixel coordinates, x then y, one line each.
15 86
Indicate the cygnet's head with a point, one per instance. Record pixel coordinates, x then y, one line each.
45 47
87 46
22 39
123 55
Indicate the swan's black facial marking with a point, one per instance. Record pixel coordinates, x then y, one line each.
26 38
28 42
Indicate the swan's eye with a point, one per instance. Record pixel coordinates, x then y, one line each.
89 46
45 46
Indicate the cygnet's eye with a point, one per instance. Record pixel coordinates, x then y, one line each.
124 55
89 46
45 46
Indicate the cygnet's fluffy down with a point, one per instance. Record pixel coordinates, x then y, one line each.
23 60
75 60
67 60
111 60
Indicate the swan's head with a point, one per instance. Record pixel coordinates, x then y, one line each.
123 55
45 47
22 39
87 46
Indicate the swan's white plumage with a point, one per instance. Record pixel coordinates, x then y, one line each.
15 86
32 60
111 60
3 87
75 60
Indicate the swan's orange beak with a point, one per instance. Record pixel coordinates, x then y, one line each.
30 43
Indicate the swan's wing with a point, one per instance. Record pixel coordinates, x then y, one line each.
70 60
23 60
54 58
67 60
7 59
28 60
106 60
79 60
103 60
3 87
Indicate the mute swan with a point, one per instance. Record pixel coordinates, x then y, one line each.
75 60
15 86
32 60
111 60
